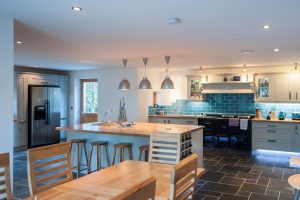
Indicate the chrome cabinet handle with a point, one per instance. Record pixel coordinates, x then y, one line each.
190 121
164 121
290 95
271 140
271 131
296 95
169 122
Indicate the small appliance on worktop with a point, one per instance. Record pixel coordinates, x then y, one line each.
296 116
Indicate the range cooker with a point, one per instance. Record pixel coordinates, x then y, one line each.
219 133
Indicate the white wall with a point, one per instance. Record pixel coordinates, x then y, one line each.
7 84
109 94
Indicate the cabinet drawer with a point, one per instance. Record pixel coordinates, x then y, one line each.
272 144
43 80
272 134
273 126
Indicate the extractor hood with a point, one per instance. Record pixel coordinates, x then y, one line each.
227 87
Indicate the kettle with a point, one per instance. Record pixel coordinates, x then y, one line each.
281 115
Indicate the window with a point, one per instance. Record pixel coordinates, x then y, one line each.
89 95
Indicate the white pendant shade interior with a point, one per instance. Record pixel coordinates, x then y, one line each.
167 83
124 84
145 83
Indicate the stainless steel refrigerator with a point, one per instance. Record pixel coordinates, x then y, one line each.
44 115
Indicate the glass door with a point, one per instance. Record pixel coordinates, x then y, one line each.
194 90
263 87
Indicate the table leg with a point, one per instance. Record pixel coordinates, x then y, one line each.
297 195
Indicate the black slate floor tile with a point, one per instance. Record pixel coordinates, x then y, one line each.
210 198
248 176
235 169
232 197
219 187
208 192
280 186
232 181
261 189
255 196
212 176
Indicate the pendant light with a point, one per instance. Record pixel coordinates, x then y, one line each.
244 68
167 83
145 83
124 85
296 66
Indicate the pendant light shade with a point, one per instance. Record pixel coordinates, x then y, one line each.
145 83
167 83
124 85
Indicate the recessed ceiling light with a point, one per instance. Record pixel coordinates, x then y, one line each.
174 20
247 51
276 50
76 8
19 42
266 26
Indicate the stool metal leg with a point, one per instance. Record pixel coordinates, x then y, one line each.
297 195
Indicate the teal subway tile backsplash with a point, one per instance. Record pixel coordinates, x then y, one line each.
225 103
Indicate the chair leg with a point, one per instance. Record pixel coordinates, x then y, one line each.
140 155
107 158
90 159
146 156
78 165
114 158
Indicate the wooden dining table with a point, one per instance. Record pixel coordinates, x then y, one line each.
109 182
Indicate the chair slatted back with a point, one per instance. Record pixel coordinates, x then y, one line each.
144 190
164 148
183 179
49 166
5 188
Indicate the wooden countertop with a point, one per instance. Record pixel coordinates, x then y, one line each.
176 116
112 181
276 120
139 129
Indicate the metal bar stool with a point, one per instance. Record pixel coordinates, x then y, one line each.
77 142
294 182
99 144
145 149
122 147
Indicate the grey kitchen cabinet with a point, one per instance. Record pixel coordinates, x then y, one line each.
296 138
174 120
279 136
277 87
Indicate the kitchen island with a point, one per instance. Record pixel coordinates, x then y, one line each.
138 135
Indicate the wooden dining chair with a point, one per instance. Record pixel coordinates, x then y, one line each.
5 188
164 148
183 179
49 166
144 190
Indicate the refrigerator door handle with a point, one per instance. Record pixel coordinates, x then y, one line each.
47 112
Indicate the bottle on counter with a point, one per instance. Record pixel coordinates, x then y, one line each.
258 113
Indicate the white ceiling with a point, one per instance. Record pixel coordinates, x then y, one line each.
212 34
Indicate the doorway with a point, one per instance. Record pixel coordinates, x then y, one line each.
88 100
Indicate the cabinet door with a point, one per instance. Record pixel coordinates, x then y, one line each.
43 80
22 134
21 98
296 139
264 86
194 90
294 84
282 91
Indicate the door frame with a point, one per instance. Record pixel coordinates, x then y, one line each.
82 81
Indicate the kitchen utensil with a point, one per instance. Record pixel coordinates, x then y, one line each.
281 115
